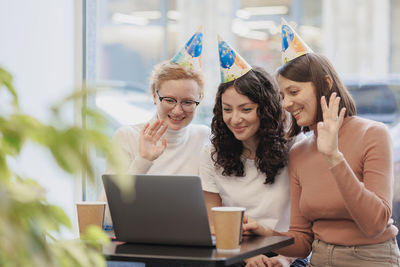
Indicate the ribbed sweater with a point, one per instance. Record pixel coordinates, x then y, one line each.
350 203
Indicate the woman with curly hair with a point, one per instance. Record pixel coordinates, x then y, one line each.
246 163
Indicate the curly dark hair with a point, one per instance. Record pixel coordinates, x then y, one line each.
271 154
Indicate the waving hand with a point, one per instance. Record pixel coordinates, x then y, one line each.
149 148
328 129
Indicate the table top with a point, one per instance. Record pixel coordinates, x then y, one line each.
251 246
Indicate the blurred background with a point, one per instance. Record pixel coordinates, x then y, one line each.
53 46
129 37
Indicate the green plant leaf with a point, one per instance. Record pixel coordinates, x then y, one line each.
27 221
4 170
6 80
95 233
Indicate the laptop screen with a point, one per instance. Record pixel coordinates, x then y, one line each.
159 209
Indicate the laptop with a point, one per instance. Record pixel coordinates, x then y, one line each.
164 209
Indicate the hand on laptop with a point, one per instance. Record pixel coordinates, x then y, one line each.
148 142
251 227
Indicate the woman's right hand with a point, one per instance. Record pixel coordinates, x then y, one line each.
148 142
328 129
262 260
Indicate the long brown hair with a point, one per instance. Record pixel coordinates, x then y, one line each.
271 154
315 68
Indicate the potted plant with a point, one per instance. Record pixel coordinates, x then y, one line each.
28 222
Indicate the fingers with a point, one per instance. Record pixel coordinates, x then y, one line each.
161 131
273 262
245 218
252 227
164 143
248 227
154 127
155 130
257 261
247 233
267 262
143 131
324 108
341 115
330 110
262 260
333 106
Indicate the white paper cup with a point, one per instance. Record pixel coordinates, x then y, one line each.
228 228
90 213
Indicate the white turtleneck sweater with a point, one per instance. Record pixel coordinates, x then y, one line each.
181 155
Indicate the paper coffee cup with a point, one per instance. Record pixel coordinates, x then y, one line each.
90 213
228 228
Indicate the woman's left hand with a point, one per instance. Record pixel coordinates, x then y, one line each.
246 221
328 129
251 227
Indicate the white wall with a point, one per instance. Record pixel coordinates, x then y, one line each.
37 47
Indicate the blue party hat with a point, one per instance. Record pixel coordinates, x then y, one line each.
232 65
292 44
190 55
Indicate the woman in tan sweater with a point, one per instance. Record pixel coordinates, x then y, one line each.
341 175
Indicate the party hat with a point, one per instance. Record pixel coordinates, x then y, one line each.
232 65
292 44
190 55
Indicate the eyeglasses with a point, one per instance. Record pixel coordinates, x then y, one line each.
170 102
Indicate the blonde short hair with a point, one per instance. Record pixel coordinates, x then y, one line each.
168 70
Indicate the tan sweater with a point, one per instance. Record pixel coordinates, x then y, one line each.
349 204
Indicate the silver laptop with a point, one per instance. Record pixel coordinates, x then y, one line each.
168 210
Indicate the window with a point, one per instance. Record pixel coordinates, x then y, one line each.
128 37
